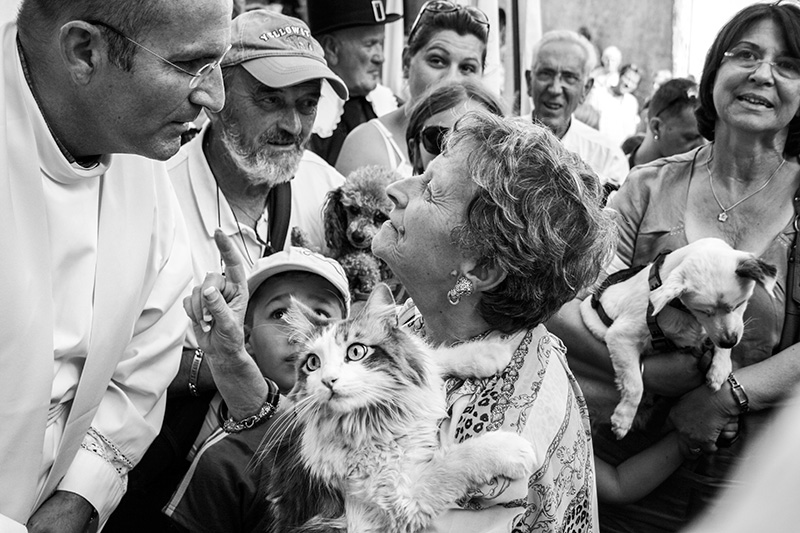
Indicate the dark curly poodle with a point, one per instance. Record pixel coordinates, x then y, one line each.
353 214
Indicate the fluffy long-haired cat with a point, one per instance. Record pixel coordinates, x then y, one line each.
359 448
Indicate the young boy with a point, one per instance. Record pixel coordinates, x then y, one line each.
219 491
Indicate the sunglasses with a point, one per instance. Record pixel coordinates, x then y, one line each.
432 139
446 6
688 96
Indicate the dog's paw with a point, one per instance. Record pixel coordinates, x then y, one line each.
716 376
719 370
506 454
622 420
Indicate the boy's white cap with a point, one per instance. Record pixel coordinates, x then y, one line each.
297 259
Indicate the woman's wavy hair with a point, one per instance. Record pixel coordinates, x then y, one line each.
537 215
459 21
441 98
786 17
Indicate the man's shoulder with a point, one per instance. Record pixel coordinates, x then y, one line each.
587 134
315 170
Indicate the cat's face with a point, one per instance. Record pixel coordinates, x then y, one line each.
361 363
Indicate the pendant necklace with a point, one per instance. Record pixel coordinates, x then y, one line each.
723 215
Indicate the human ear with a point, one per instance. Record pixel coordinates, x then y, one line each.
247 346
587 87
528 82
330 45
655 126
484 275
81 46
406 62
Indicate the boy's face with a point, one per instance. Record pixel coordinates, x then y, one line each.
268 341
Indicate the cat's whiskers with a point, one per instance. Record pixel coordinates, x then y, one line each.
284 424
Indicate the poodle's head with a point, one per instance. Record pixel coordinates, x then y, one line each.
354 212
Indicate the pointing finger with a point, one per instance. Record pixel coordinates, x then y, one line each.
234 269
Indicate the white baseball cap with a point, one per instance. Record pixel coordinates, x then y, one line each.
297 259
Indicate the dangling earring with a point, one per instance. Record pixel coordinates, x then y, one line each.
463 287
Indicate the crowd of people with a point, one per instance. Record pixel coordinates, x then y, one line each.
145 350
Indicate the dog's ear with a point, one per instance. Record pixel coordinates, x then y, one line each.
759 271
334 218
673 286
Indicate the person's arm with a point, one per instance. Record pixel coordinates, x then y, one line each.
131 409
363 146
217 309
180 385
701 414
667 374
636 477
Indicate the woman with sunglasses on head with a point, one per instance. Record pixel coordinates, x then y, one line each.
435 114
447 42
742 188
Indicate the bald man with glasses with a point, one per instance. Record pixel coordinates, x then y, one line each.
95 258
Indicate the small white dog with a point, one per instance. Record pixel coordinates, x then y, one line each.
713 282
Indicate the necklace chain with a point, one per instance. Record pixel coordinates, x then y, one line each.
723 215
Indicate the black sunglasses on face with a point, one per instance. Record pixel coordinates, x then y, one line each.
432 138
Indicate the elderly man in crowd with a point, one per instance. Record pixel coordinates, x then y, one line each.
95 257
352 33
558 83
248 173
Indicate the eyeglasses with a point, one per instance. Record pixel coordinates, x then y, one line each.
446 6
746 58
197 77
432 138
688 96
549 75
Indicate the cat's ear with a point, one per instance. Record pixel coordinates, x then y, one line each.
380 305
301 320
484 274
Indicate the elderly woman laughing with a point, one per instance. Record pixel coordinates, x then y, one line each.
502 229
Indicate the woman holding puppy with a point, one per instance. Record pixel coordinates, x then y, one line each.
742 188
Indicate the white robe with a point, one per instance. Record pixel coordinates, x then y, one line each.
130 326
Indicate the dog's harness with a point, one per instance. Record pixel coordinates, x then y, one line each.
659 341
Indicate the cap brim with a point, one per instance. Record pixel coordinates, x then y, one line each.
259 276
285 71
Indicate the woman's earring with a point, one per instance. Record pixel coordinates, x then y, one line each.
463 287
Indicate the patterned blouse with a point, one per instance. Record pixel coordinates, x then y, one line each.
537 397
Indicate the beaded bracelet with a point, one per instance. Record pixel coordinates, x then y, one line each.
230 425
194 373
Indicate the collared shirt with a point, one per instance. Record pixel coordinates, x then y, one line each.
598 151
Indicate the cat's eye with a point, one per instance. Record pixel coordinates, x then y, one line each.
358 351
312 362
